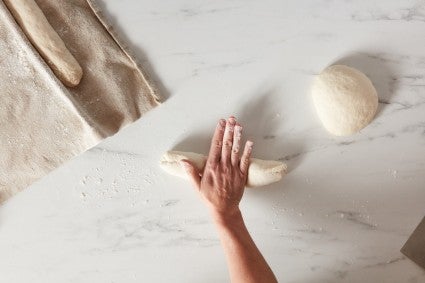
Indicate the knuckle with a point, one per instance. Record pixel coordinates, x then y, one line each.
218 143
224 166
228 143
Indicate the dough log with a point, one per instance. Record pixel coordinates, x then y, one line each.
45 39
260 173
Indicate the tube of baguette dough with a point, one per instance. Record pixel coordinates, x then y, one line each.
45 39
260 172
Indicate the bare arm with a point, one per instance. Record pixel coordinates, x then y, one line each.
245 261
221 186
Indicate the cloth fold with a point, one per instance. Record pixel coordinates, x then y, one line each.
42 122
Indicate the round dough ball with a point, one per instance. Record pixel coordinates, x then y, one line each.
345 99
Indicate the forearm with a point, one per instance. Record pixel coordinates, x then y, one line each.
245 261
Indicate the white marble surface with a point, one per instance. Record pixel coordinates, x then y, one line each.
341 215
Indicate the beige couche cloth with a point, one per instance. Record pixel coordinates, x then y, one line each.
42 122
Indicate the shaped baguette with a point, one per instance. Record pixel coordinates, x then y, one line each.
260 172
45 39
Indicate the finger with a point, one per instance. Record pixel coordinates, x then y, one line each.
216 143
246 156
228 140
236 144
192 172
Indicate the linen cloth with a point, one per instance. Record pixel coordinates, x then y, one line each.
42 122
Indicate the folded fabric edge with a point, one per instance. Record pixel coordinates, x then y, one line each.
97 11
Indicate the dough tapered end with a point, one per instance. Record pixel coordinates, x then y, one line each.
72 79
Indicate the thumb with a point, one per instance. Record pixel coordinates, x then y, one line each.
192 172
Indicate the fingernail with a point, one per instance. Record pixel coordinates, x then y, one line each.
222 122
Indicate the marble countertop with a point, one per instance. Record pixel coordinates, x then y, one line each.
340 215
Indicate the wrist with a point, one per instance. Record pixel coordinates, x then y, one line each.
227 218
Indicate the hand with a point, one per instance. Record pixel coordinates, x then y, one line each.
222 182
